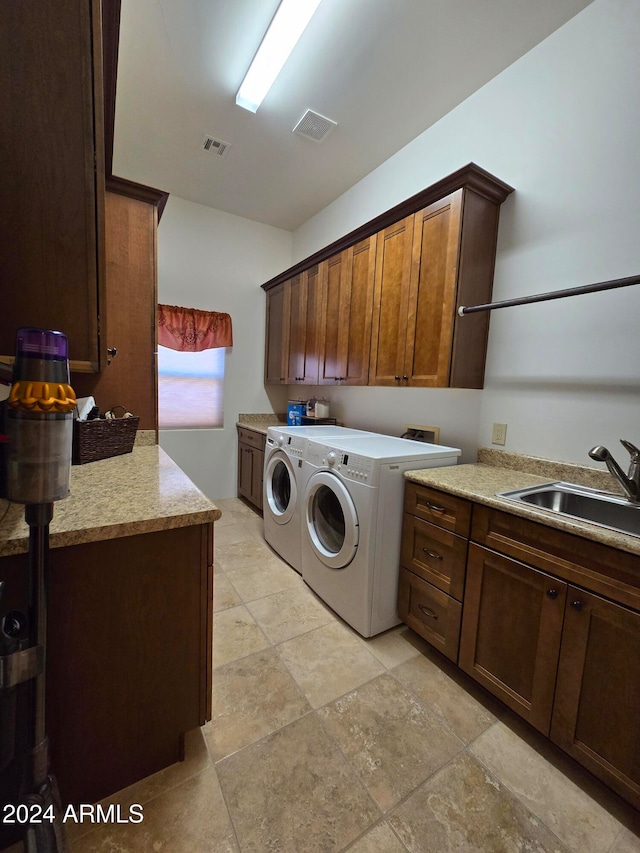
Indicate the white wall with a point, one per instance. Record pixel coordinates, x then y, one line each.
562 126
215 261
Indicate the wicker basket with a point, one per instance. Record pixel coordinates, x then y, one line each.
100 439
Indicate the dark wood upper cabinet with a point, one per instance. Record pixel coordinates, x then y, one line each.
393 268
391 290
277 334
51 149
304 300
345 314
130 378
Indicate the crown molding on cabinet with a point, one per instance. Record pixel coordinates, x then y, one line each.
470 176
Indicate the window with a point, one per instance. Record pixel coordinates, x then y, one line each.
190 388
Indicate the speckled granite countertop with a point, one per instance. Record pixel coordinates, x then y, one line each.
260 423
137 492
497 471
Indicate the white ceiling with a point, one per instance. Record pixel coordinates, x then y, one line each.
384 70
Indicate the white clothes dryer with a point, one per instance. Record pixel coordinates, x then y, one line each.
284 451
352 521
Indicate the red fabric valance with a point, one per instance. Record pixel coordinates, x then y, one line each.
192 330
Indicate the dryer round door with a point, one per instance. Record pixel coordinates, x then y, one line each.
331 520
280 487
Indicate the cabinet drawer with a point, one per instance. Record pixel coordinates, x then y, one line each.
439 508
436 555
250 436
430 612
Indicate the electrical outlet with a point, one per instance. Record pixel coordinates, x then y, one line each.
430 434
499 434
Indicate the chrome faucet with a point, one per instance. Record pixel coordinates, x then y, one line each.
630 482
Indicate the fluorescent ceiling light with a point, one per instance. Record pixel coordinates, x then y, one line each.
284 31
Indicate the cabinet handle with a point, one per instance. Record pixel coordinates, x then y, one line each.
552 593
432 554
397 378
435 507
427 611
112 352
406 378
577 605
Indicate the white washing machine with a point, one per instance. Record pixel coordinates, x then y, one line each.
352 521
284 451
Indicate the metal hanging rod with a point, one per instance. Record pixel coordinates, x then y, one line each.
555 294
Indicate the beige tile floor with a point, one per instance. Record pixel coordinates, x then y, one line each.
323 741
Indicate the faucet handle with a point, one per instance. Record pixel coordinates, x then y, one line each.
631 448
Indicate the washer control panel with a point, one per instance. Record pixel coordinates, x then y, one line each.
351 466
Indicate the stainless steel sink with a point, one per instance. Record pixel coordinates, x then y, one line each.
583 503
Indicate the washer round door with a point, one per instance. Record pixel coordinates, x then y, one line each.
331 520
280 489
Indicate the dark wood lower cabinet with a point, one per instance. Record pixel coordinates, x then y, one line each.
128 654
430 612
597 701
250 465
538 630
511 630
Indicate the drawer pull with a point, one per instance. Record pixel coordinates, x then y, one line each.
432 554
577 605
427 611
435 507
552 593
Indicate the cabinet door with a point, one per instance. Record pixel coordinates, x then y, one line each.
345 337
51 150
511 630
245 470
432 292
277 335
131 377
302 361
360 262
595 716
126 657
335 302
250 465
256 478
390 304
297 323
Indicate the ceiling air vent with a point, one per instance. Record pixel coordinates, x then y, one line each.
314 126
215 146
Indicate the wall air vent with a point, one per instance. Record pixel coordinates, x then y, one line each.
215 146
314 126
